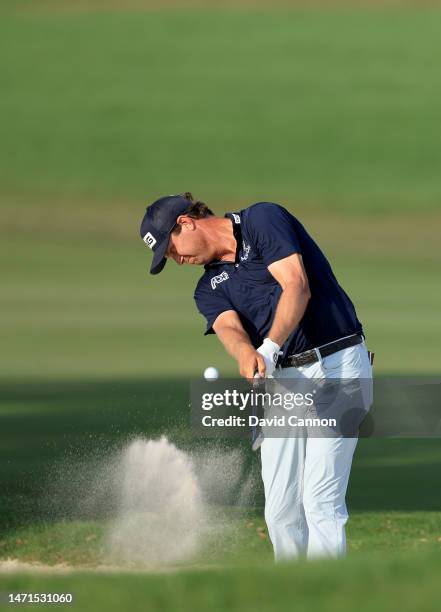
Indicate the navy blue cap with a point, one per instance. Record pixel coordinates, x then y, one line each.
159 220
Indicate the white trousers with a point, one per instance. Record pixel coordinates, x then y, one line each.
306 479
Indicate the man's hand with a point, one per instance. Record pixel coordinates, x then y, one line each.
231 333
251 361
270 352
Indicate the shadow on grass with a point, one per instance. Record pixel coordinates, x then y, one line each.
48 423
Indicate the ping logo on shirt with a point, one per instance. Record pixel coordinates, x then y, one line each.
150 240
246 248
219 279
236 218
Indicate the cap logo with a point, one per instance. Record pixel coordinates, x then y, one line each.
150 240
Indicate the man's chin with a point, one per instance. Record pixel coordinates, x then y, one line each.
196 261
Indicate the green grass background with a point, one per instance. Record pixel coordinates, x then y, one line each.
332 112
333 107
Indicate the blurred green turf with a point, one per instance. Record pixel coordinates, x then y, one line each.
330 113
337 107
81 305
55 437
372 585
238 537
77 301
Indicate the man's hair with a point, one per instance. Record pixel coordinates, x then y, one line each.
196 210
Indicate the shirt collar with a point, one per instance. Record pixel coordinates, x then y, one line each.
235 219
237 231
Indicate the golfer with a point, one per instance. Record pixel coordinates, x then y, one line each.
270 295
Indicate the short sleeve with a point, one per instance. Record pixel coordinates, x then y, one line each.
210 303
273 230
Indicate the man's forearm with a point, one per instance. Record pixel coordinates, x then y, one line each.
289 312
237 343
234 340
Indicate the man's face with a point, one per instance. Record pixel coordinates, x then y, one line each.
191 245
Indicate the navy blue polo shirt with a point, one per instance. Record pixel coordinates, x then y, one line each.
265 233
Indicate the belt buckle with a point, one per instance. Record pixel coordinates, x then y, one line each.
305 357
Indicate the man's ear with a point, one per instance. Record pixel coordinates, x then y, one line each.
186 222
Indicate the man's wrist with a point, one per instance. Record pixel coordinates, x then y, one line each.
242 347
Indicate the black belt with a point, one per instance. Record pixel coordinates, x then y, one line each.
312 356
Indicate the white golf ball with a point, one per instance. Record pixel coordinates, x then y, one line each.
211 373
